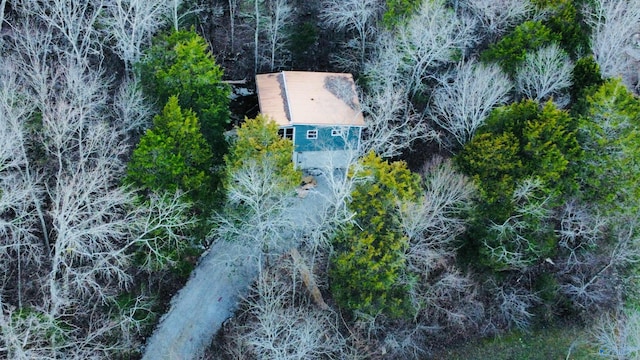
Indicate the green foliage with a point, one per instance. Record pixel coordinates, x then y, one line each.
610 135
302 39
566 21
493 163
398 11
172 155
512 49
134 307
551 146
368 263
521 160
258 140
542 343
519 141
41 325
547 287
180 64
586 75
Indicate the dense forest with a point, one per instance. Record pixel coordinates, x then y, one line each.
495 191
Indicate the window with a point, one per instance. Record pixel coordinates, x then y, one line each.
286 133
312 134
336 132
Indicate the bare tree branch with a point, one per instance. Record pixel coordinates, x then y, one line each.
614 24
130 24
392 123
282 324
431 38
256 205
617 335
498 16
465 98
73 24
544 74
352 15
279 15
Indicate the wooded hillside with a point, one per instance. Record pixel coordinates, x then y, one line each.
496 187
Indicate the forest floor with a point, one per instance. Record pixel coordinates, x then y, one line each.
223 275
560 342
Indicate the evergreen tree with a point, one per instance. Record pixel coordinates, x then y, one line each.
522 160
260 186
566 21
398 11
512 49
258 140
369 260
172 155
180 64
610 135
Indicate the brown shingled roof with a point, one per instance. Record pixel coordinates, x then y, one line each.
315 98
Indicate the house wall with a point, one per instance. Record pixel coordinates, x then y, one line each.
336 159
325 141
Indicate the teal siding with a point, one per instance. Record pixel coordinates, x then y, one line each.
325 140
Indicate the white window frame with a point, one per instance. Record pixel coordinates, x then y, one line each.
337 131
312 134
287 133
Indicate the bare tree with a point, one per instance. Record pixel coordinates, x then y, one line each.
174 9
512 244
24 238
431 38
256 34
233 12
465 98
497 16
257 201
132 110
282 323
178 11
384 66
392 123
614 25
32 52
70 193
616 335
73 24
352 15
279 15
130 24
442 295
24 335
514 304
580 229
433 222
3 4
544 73
84 152
591 279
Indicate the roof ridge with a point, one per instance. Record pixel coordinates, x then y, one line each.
286 98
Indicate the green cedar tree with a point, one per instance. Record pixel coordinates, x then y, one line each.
180 64
512 49
369 262
172 155
610 136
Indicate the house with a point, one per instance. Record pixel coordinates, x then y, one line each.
319 112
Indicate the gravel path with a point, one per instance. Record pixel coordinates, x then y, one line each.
207 300
211 295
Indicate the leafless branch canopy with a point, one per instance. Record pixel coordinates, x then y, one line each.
464 98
